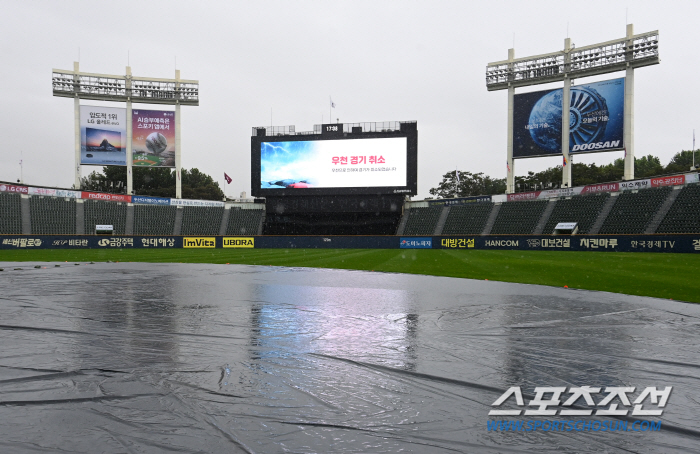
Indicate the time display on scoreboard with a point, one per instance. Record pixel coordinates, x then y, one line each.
332 129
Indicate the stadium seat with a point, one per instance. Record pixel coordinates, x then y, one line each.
104 213
243 222
52 215
516 218
154 220
684 214
582 209
467 219
201 220
633 211
422 221
10 213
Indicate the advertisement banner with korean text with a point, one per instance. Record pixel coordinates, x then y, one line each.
352 163
153 138
668 243
460 201
416 243
674 180
87 242
105 196
149 200
102 136
54 192
596 119
633 185
196 203
14 188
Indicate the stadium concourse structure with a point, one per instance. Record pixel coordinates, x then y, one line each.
48 211
669 204
664 205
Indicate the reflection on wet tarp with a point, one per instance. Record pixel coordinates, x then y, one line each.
148 358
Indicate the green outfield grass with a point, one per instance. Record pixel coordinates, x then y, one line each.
670 276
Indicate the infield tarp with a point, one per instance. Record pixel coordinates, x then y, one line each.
161 358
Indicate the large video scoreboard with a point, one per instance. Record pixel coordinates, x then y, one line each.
340 160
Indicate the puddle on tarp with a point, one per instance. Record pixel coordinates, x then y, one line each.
132 357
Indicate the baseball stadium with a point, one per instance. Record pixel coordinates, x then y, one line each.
334 312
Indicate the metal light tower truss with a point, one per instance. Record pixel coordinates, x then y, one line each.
104 87
603 58
624 54
128 89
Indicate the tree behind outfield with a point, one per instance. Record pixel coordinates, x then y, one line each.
682 161
582 174
470 184
154 181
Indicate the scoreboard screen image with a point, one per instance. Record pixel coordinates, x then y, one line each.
349 164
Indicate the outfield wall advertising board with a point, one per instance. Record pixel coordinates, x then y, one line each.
148 200
460 201
54 192
687 243
106 197
596 120
102 136
196 203
14 188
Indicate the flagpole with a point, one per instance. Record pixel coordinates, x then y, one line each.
693 149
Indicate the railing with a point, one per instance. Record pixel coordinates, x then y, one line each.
382 126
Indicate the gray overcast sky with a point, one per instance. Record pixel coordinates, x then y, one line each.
379 60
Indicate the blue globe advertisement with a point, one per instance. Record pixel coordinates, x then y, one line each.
596 120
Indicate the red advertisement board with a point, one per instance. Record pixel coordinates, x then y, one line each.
524 196
13 188
109 197
668 181
606 187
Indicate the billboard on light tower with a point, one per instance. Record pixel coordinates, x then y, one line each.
153 138
596 120
102 136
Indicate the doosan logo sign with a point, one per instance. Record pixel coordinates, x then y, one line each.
597 146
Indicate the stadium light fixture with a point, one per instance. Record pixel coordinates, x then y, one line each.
623 54
128 89
601 58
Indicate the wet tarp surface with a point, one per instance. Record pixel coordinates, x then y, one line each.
150 358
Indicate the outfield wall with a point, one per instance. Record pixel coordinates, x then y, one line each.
686 243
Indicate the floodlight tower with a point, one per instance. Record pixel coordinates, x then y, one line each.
624 54
115 88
